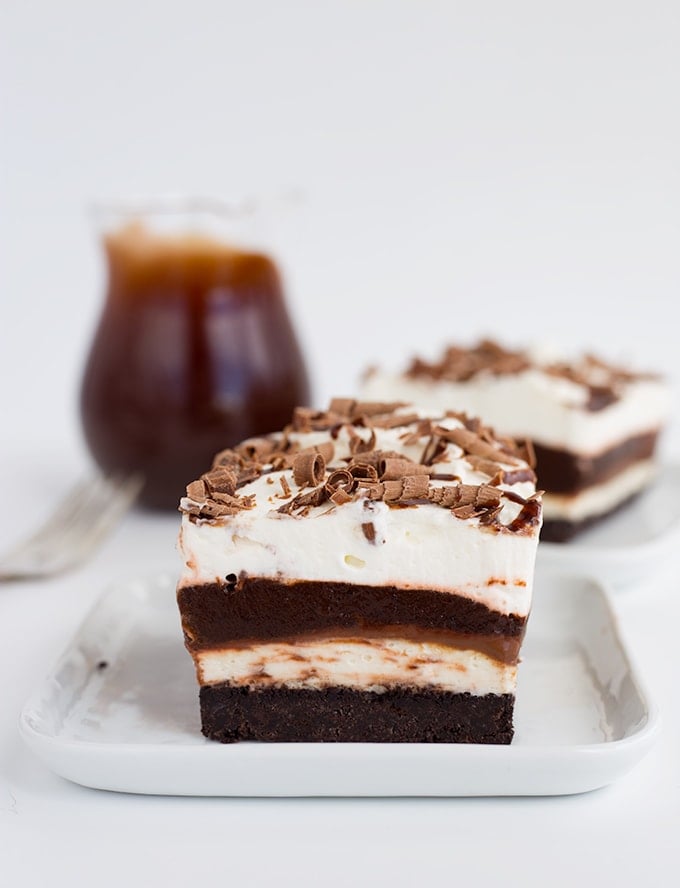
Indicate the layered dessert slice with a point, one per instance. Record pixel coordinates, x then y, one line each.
365 575
594 426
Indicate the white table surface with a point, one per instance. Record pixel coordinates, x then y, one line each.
509 169
51 829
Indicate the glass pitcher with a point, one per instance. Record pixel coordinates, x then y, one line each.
194 351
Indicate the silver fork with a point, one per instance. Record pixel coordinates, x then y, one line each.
79 524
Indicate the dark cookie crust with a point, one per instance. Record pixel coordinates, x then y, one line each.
344 715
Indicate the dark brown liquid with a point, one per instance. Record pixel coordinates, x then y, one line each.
194 352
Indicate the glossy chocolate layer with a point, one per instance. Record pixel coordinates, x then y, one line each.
400 715
215 614
560 471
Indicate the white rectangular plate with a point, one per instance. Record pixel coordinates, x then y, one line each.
120 712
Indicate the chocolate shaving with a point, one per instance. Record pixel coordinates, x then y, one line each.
311 498
248 474
423 429
369 531
342 406
375 408
389 468
394 421
309 468
285 486
256 449
462 364
469 442
434 448
197 491
221 479
357 443
485 466
227 457
339 497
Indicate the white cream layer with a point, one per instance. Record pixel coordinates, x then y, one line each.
419 547
363 664
600 498
532 404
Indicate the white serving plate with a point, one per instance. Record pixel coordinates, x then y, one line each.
132 725
632 546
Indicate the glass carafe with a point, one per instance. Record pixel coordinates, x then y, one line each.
194 351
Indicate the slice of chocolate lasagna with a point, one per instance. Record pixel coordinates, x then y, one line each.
594 426
365 575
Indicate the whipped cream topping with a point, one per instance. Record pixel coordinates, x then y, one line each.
534 404
419 545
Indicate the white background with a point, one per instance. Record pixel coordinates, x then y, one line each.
510 168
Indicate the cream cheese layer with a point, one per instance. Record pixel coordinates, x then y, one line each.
367 664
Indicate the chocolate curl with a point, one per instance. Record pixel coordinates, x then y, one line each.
342 407
197 492
374 489
326 449
469 442
221 480
227 457
248 474
424 428
392 491
305 419
309 468
434 448
364 471
471 423
341 479
374 456
376 408
390 469
415 487
316 497
485 466
257 449
357 443
409 488
461 496
233 502
394 421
